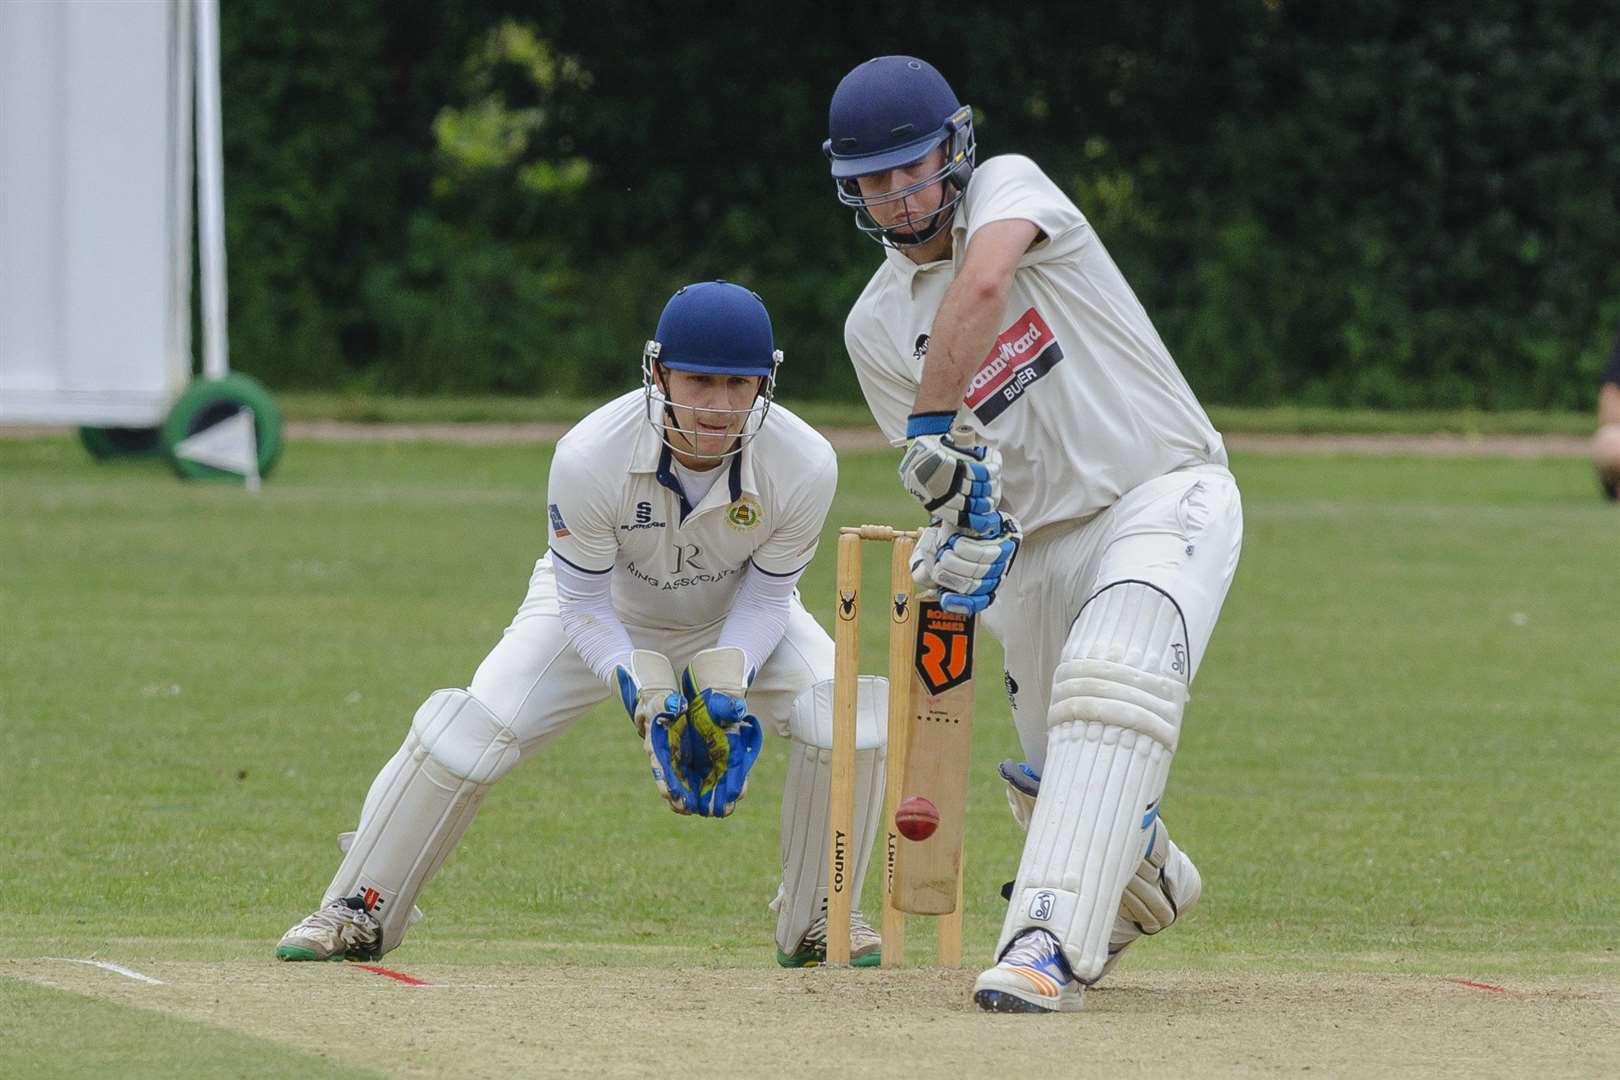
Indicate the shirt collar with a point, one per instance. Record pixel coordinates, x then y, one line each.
907 270
648 452
653 455
722 494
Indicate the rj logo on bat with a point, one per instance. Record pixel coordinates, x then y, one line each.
944 648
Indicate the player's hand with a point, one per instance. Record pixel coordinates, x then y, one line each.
701 758
959 485
1023 788
648 690
967 570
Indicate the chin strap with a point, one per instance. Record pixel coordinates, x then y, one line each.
899 240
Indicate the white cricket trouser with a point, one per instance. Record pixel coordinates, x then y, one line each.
1180 533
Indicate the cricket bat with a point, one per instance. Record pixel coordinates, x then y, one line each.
938 752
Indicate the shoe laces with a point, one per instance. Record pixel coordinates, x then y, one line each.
1036 948
340 914
861 932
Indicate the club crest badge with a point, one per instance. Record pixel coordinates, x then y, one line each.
744 514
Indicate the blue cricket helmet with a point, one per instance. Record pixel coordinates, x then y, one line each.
716 328
712 328
887 113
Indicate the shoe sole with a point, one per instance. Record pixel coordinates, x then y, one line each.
298 952
1000 1001
869 961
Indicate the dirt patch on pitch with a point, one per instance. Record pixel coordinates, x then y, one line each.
573 1020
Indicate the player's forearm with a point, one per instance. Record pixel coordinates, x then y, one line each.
963 331
585 608
759 615
1608 405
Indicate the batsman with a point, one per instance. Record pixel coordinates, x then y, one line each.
680 518
1091 516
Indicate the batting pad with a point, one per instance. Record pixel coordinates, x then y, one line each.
1115 717
805 796
421 803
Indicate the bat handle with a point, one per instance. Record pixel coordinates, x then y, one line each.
966 437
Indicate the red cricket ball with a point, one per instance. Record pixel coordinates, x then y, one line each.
916 818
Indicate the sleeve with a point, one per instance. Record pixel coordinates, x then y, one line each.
1013 187
582 514
888 397
759 615
585 606
792 544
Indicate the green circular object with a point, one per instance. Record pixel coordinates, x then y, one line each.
106 443
205 403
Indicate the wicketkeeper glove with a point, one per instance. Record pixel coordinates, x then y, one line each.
959 485
648 690
967 570
701 758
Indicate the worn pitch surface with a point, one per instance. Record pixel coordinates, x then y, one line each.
576 1019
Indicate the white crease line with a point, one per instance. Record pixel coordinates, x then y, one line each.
120 969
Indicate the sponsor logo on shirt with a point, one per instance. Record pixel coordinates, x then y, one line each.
744 514
685 581
557 525
644 519
1023 353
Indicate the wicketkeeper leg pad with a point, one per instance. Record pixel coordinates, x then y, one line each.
803 895
427 796
1117 703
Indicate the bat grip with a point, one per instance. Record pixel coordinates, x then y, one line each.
965 436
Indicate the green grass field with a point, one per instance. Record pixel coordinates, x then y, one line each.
363 406
1400 757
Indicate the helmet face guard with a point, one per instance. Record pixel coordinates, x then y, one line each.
661 411
960 149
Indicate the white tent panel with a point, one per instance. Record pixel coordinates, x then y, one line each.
94 323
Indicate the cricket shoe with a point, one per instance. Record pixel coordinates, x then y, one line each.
865 945
342 930
1165 887
1032 977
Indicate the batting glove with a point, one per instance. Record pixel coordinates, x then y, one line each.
967 570
959 485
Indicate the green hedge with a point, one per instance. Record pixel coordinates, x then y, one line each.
1374 204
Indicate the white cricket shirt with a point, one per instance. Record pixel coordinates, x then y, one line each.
1078 392
616 506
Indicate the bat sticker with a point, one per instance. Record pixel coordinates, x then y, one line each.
944 648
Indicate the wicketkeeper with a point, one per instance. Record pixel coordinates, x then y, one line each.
681 518
1096 509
